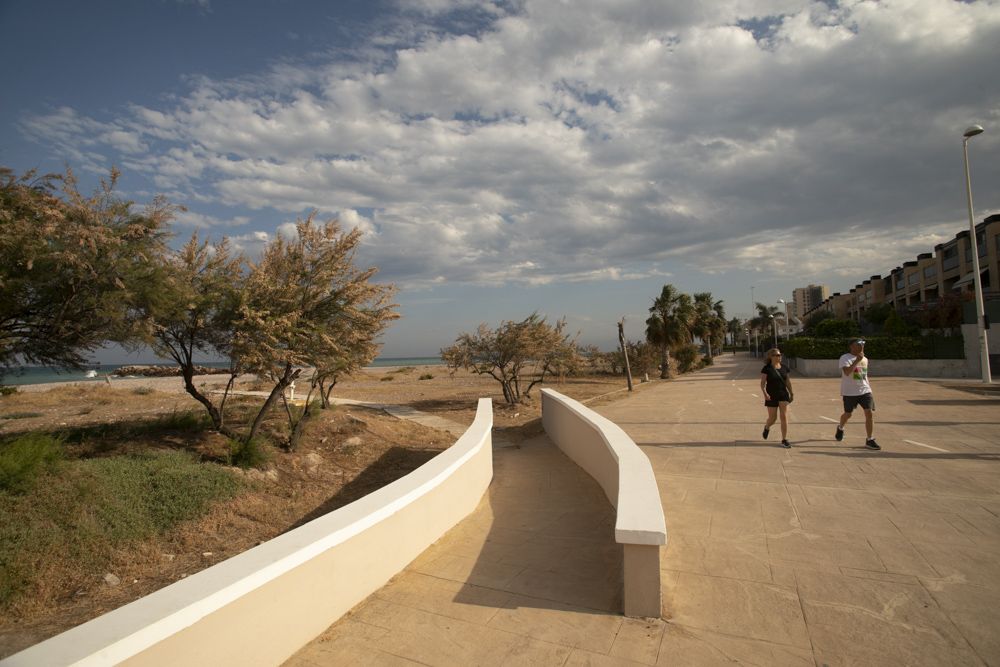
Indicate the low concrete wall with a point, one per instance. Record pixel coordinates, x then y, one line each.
608 455
920 368
260 607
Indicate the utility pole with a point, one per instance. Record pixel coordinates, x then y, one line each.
621 341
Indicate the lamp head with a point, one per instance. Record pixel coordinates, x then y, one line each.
973 130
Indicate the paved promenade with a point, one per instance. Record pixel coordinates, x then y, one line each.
825 554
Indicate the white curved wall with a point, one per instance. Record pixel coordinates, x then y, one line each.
605 451
260 607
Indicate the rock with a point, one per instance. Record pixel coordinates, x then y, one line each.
111 580
313 461
353 441
206 553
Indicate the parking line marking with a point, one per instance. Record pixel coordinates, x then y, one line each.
754 395
920 444
835 421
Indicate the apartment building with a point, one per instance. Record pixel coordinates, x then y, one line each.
928 277
805 299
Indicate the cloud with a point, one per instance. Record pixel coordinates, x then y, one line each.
535 142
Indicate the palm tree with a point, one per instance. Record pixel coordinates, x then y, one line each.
709 321
669 324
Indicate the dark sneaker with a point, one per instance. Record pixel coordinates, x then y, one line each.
871 444
840 434
786 444
764 434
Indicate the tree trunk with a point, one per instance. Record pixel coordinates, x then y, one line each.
621 341
664 363
286 379
187 370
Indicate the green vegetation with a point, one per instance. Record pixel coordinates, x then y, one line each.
248 453
387 378
89 508
426 376
20 415
879 347
23 459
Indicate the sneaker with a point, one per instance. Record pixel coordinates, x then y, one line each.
871 444
764 434
840 434
786 444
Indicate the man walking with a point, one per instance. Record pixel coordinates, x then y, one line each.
856 391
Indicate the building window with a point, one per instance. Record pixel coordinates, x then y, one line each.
949 258
912 279
930 272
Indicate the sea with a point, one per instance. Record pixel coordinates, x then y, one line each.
20 375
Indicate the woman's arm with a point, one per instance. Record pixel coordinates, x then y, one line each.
763 386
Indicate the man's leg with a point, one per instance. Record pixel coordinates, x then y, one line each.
869 422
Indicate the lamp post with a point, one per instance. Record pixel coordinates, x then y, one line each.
774 322
982 324
783 303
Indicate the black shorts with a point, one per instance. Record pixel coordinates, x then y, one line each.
776 399
866 401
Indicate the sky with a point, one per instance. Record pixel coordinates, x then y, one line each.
515 156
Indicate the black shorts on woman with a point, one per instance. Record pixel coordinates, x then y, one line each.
776 386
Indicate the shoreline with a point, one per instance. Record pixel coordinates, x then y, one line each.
175 384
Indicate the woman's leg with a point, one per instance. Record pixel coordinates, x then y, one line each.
772 416
783 408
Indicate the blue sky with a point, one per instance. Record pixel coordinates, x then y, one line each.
508 157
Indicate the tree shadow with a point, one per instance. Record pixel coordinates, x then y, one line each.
883 454
394 463
955 401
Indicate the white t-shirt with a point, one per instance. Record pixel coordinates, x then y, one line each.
855 384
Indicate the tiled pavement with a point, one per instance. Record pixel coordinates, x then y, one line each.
825 554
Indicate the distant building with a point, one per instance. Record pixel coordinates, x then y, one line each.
805 299
924 279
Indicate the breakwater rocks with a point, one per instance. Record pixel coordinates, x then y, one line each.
165 371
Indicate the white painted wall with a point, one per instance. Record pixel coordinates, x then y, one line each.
260 607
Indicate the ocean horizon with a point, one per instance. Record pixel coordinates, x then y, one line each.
24 375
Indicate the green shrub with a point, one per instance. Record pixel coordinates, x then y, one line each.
879 347
7 391
836 329
20 415
387 378
426 376
143 391
23 459
250 454
686 355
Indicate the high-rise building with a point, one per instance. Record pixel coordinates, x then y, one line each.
805 299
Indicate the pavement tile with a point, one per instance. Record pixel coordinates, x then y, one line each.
855 647
885 612
738 521
929 528
976 613
433 639
687 521
558 623
693 647
752 489
856 500
453 599
840 549
736 559
580 658
828 520
478 572
898 555
638 640
963 564
746 609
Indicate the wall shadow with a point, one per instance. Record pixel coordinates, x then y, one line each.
543 537
394 463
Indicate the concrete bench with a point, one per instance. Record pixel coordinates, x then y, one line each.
608 455
260 607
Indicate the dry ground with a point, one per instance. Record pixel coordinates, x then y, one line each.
346 454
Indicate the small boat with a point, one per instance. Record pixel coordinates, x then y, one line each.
90 374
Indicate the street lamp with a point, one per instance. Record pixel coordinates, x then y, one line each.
982 324
787 330
774 321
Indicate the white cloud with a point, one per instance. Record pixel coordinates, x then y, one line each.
595 141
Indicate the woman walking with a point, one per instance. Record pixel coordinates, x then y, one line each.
777 390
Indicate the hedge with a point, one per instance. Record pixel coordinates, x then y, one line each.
879 347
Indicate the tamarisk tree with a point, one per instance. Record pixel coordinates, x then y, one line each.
305 304
515 353
70 266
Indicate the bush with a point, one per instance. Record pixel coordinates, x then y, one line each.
7 391
20 415
836 328
426 376
26 457
387 378
879 347
250 454
686 355
143 391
